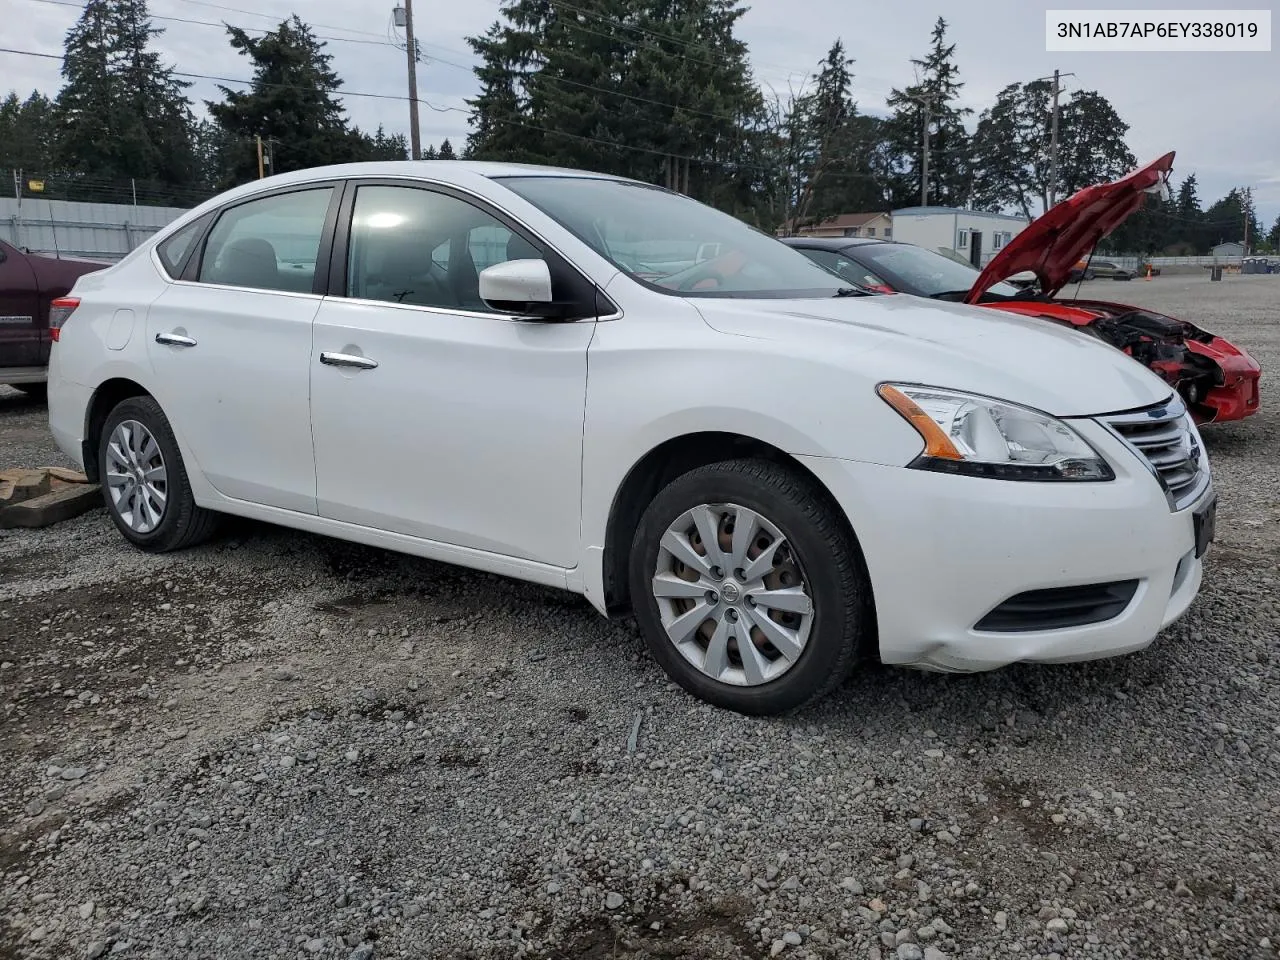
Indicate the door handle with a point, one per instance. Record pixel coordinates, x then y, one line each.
175 340
347 360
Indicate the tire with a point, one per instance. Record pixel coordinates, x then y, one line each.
180 523
36 391
818 550
1089 275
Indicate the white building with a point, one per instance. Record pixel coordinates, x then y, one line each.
973 234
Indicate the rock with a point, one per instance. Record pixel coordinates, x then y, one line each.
792 939
777 947
923 891
73 773
38 934
34 807
850 885
411 910
362 952
1056 925
86 910
946 836
1059 818
1002 920
910 951
287 761
933 953
612 900
1180 889
313 946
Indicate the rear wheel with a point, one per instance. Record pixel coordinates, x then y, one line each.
144 481
749 591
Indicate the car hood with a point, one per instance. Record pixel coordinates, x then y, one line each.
1020 359
1053 244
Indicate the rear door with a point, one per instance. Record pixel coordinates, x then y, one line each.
20 314
230 343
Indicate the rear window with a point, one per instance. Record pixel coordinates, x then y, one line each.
175 250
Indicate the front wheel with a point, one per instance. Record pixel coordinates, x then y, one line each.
750 592
144 481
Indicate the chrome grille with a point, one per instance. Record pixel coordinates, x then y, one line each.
1166 440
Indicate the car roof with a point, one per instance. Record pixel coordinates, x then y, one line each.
431 169
831 243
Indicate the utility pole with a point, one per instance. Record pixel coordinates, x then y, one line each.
926 105
411 50
259 138
1246 203
1053 138
924 161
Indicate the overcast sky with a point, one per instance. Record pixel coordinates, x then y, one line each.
1220 112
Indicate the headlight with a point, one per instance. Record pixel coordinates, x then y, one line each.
982 437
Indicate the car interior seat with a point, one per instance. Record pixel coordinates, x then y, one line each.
248 262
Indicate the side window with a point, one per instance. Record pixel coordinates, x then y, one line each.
420 247
268 244
844 267
173 251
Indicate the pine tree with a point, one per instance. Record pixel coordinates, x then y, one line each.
122 113
291 103
937 88
27 133
655 89
446 151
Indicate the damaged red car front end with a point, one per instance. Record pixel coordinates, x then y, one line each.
1217 379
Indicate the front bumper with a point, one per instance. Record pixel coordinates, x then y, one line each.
943 551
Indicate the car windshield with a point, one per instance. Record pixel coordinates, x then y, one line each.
923 272
672 243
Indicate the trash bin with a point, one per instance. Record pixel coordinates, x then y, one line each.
1215 272
1249 266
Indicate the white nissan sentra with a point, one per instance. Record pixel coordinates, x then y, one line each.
607 387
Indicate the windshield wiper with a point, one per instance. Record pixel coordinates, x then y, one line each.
851 292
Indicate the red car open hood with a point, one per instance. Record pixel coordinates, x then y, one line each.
1054 243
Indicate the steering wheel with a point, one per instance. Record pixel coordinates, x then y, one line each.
716 270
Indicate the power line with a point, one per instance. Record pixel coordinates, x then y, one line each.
223 26
261 83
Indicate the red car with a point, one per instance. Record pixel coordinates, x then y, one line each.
1217 379
28 286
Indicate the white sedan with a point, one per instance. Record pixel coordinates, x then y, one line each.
604 386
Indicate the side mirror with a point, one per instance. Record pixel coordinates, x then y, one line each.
520 287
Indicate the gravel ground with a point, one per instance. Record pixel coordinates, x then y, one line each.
279 745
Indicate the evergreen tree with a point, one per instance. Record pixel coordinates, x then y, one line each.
1273 238
27 133
446 151
122 113
936 89
292 102
380 146
655 89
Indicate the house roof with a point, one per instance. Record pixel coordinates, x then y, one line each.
930 211
845 220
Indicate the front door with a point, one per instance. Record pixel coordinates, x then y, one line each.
433 415
231 346
975 248
21 323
